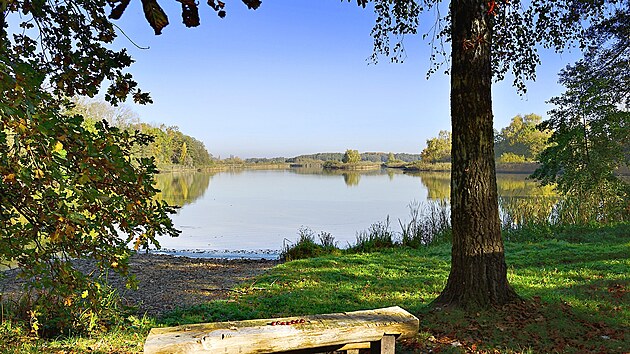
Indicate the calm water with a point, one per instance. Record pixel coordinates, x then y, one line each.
253 210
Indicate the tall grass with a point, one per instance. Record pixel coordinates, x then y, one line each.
518 213
522 219
429 223
377 237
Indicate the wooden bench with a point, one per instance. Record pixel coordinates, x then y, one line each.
349 331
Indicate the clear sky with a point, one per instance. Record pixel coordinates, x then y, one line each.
292 78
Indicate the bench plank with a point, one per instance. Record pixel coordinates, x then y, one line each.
263 336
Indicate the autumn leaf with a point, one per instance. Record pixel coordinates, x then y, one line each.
58 147
190 13
155 15
39 174
9 178
119 9
252 4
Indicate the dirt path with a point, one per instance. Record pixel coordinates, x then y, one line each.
167 282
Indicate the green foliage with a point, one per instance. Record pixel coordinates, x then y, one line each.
351 156
438 149
326 156
377 237
68 191
332 164
377 157
574 280
427 166
590 131
521 141
307 247
168 147
429 223
510 157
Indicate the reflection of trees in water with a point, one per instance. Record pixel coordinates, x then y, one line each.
309 170
517 185
351 178
438 185
181 188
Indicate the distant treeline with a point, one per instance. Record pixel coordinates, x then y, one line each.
378 157
170 147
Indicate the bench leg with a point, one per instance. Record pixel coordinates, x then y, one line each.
387 345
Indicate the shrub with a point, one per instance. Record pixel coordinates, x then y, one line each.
377 237
306 247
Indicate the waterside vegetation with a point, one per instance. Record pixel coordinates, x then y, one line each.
573 280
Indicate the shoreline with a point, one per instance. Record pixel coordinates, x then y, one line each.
166 282
262 254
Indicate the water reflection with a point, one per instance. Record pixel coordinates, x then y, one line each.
351 178
182 188
258 209
438 185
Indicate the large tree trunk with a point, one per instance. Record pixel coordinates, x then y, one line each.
478 276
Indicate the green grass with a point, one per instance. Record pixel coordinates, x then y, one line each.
575 282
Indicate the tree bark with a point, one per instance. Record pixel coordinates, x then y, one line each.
478 276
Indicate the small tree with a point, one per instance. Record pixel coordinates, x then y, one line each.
351 156
68 192
521 138
591 127
438 149
183 154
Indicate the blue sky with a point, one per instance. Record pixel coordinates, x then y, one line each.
292 78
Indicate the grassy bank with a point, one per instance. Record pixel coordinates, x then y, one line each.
356 166
575 282
520 167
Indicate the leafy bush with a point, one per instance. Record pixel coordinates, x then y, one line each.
67 192
509 157
306 247
377 237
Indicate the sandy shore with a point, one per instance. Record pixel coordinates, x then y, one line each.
167 282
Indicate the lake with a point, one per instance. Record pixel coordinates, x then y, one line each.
252 213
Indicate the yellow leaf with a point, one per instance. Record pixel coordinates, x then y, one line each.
58 147
84 294
9 178
114 264
39 173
